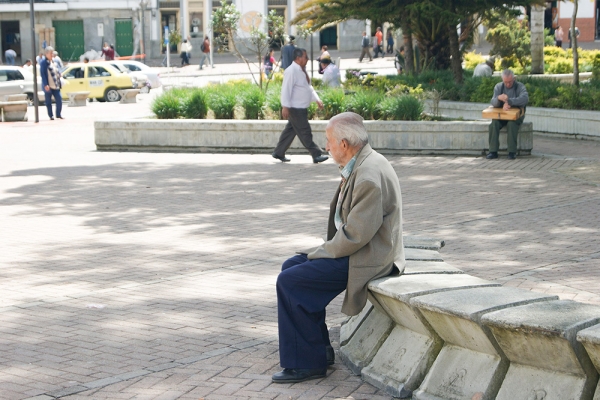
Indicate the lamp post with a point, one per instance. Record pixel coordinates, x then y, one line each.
34 62
143 4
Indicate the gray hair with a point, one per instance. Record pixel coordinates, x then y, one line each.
507 73
48 49
298 52
349 126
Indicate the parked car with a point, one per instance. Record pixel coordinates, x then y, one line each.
18 80
138 67
141 81
101 79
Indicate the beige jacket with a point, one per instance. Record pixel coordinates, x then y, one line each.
371 233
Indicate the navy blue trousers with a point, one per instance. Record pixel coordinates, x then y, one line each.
304 289
57 99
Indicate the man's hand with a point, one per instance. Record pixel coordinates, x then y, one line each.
320 104
503 97
47 88
506 107
285 112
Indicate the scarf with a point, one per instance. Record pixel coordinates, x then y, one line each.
54 74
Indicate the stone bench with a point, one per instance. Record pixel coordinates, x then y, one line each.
435 333
15 97
128 96
78 99
14 110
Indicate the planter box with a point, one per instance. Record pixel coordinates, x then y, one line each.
248 136
581 124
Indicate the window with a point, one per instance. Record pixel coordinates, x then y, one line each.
14 75
99 71
75 73
3 77
132 67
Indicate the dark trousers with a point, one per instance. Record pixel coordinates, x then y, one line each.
57 100
366 51
512 128
297 125
184 58
304 288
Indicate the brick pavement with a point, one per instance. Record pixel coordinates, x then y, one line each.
151 276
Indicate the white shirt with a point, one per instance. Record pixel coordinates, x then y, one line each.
331 76
296 92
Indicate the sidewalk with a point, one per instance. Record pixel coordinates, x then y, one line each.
151 275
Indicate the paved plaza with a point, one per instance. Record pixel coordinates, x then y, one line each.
152 275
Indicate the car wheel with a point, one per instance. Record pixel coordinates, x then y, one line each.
112 95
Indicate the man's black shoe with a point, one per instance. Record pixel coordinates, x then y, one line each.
320 159
281 158
295 375
491 155
330 355
511 156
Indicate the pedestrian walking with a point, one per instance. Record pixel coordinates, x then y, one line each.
296 96
186 49
558 36
378 44
390 43
287 53
576 35
205 49
51 83
365 48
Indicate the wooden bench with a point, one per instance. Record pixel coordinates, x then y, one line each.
11 111
129 96
78 99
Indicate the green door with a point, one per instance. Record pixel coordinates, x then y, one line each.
124 35
69 39
329 37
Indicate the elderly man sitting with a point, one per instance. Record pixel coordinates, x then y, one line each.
364 242
331 73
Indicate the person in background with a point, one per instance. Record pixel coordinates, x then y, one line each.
324 53
296 96
10 56
287 53
331 73
559 34
205 48
186 49
365 48
269 63
485 69
57 60
390 43
378 45
507 94
576 35
28 66
399 61
51 83
107 52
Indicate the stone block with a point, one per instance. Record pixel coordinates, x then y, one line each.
546 360
590 338
470 364
15 97
429 267
411 348
129 96
366 341
422 255
353 323
12 111
421 242
78 99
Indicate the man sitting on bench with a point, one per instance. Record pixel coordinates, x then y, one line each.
508 93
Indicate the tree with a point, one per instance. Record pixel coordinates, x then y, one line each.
574 44
226 22
537 39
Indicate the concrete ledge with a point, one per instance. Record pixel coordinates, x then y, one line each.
581 124
78 99
388 137
435 333
13 110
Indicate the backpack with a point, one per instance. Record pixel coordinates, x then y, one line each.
202 47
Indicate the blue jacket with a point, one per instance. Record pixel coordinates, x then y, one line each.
44 64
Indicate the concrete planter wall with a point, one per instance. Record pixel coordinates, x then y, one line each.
434 333
391 137
581 124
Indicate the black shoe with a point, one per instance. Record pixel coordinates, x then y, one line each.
51 118
319 159
491 155
330 355
511 156
281 158
60 117
295 375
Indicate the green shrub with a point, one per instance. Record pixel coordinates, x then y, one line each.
365 103
485 90
402 108
273 98
168 105
334 102
195 105
222 102
252 100
473 59
596 68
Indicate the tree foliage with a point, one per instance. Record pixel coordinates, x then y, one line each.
511 40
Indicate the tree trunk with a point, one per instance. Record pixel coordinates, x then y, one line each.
409 57
456 61
537 39
574 45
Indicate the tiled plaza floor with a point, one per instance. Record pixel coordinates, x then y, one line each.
151 276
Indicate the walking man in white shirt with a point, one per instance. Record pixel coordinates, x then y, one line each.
296 96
